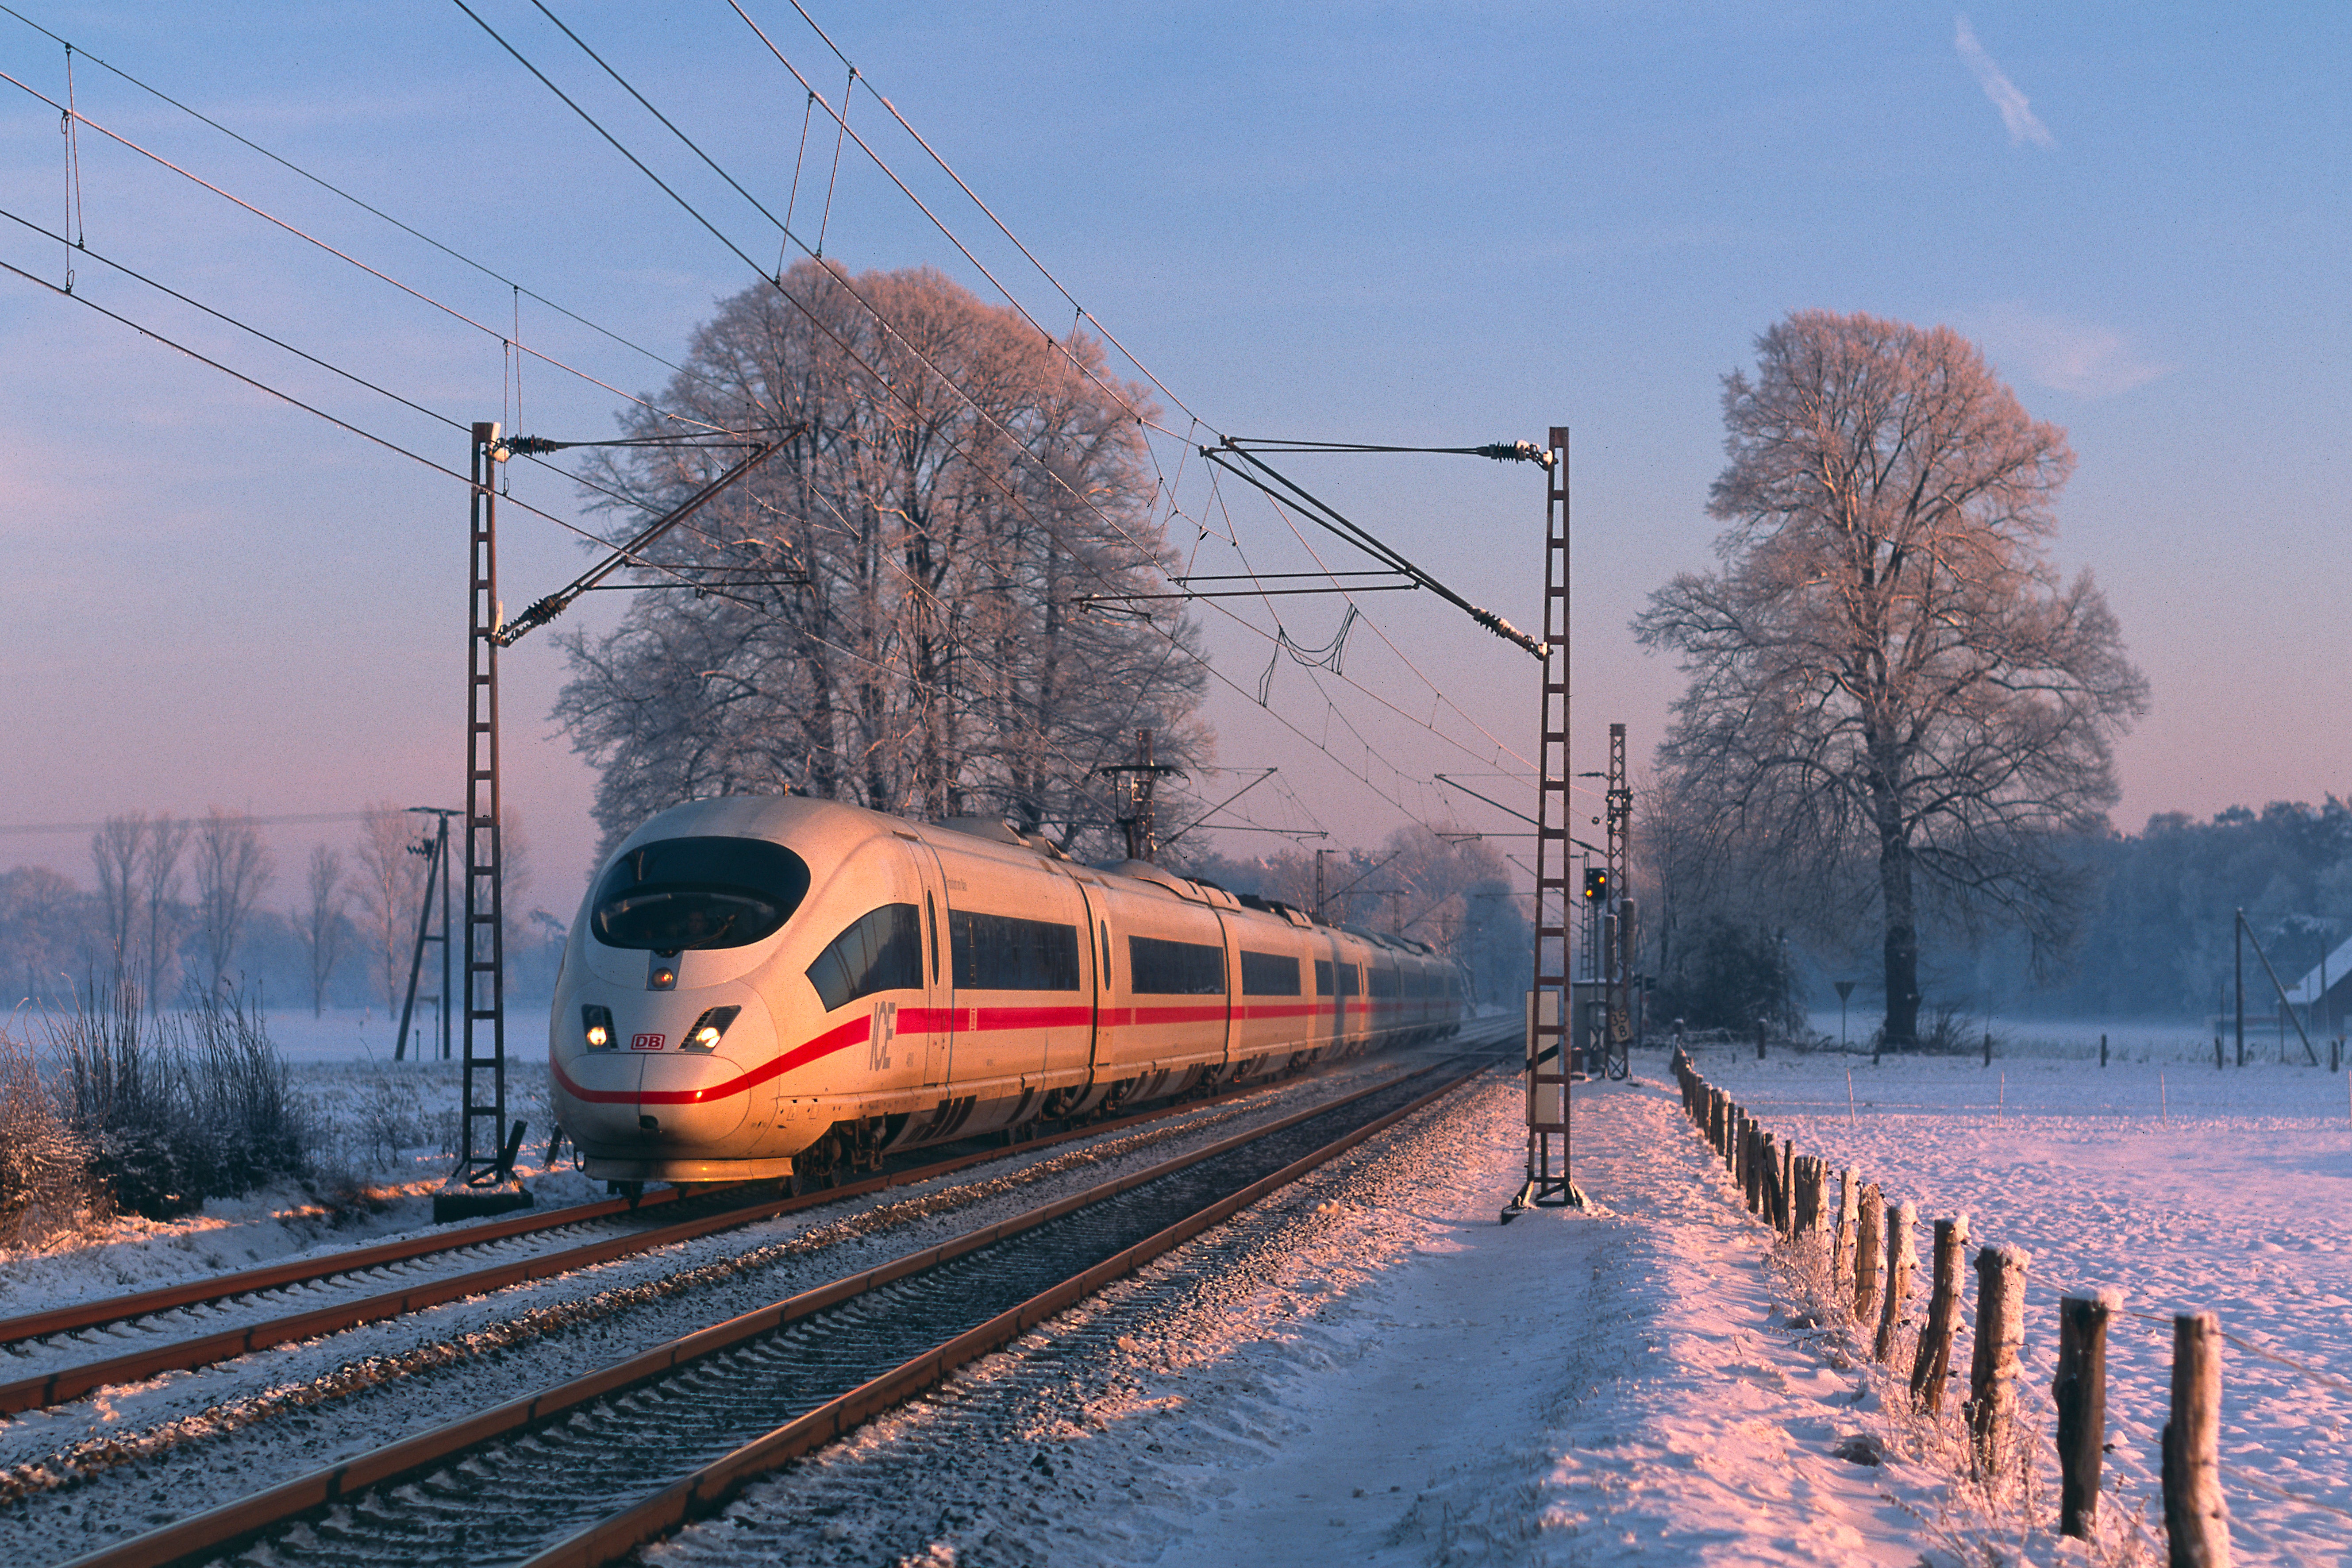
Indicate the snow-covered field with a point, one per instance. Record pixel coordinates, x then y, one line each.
2187 1188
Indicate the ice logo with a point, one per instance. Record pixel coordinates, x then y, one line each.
881 1036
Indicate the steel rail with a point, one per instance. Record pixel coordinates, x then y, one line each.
66 1383
234 1523
108 1309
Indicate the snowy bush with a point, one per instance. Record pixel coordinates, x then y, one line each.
45 1184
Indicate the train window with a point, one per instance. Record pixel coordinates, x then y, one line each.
1268 975
1322 977
998 952
881 951
931 923
1349 983
1383 979
1160 968
678 893
1106 973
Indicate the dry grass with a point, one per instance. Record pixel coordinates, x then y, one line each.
175 1107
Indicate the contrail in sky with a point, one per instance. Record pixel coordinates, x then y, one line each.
2014 112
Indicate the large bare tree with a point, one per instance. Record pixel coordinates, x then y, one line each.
158 868
1887 672
904 627
322 926
234 868
114 851
391 884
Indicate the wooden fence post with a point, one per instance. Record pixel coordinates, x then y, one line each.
1842 1246
2196 1516
1751 1157
1768 1172
1784 1208
1869 1237
1901 1261
2080 1391
1993 1371
1933 1364
1809 1170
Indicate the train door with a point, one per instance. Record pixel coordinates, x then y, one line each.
1096 945
929 1030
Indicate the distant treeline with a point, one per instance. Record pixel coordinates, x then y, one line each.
2157 938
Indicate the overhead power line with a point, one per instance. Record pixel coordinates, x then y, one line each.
337 191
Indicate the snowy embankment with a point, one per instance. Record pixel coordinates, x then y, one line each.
1367 1367
2188 1188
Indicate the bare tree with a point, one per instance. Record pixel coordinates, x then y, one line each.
321 925
1887 671
899 626
114 851
234 868
159 871
392 881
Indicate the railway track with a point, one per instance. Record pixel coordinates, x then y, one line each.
698 1215
586 1471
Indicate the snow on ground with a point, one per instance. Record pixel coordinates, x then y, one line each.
2189 1189
1368 1368
387 1145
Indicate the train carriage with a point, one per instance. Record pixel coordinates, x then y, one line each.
781 987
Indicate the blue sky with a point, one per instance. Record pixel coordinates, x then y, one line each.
1416 224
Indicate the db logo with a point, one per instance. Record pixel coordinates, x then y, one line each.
644 1042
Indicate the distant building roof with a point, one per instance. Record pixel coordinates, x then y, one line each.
2337 969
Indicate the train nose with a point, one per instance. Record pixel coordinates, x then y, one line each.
690 1100
598 1091
626 1084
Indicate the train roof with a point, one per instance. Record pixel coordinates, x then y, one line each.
804 817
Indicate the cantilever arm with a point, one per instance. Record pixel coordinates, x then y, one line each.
631 553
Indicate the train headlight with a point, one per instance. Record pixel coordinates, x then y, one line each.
709 1029
596 1027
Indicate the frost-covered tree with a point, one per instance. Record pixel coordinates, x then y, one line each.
890 613
1887 671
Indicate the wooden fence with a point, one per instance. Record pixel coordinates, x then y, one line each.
1874 1262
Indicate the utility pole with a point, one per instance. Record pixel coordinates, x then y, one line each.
1137 782
435 851
2238 937
1319 882
1550 1005
484 1181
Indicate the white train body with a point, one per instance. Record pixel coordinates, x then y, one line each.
755 979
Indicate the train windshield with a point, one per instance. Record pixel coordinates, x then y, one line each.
678 893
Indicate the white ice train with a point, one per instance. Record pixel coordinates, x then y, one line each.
785 987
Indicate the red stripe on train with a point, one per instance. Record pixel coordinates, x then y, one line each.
838 1038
